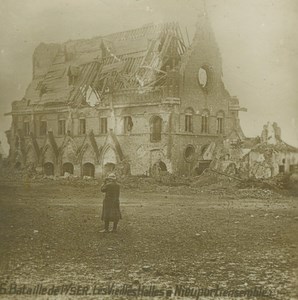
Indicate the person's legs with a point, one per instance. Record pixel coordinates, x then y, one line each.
107 225
115 224
106 229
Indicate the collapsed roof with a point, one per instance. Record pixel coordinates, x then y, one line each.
76 71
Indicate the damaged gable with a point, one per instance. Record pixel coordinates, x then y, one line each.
84 71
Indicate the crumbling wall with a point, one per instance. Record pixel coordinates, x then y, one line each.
261 161
260 165
213 97
43 58
185 163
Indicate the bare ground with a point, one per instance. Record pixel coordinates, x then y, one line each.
49 234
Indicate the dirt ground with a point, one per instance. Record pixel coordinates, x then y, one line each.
49 233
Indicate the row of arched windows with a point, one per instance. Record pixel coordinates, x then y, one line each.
205 118
155 124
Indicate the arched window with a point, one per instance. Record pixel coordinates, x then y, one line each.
189 153
43 126
26 126
103 125
220 123
82 126
155 129
188 120
61 125
205 77
205 122
128 124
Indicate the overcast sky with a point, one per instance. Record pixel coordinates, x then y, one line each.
258 41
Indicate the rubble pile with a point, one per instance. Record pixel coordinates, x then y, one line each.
210 181
158 183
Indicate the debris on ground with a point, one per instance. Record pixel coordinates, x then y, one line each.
210 181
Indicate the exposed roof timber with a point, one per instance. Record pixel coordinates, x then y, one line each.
87 76
126 60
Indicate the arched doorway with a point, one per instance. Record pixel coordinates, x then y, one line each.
158 168
48 168
67 167
88 169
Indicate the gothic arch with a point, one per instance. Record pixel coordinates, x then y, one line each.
109 154
68 151
109 158
189 110
87 154
31 155
48 154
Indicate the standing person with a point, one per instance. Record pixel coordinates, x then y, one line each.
111 205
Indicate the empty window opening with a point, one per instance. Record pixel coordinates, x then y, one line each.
203 77
128 124
103 125
188 123
61 127
281 169
82 129
43 128
156 123
162 166
26 128
220 124
189 153
88 169
203 149
48 168
205 123
67 167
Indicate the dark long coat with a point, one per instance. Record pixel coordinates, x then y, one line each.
111 204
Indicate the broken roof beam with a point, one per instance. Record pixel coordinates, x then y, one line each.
154 69
88 75
150 84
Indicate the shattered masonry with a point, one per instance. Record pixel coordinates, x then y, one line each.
138 102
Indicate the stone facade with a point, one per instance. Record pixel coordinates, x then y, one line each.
137 102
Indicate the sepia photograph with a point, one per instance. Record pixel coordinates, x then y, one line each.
149 149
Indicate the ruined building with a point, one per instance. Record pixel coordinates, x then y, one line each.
261 157
138 102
